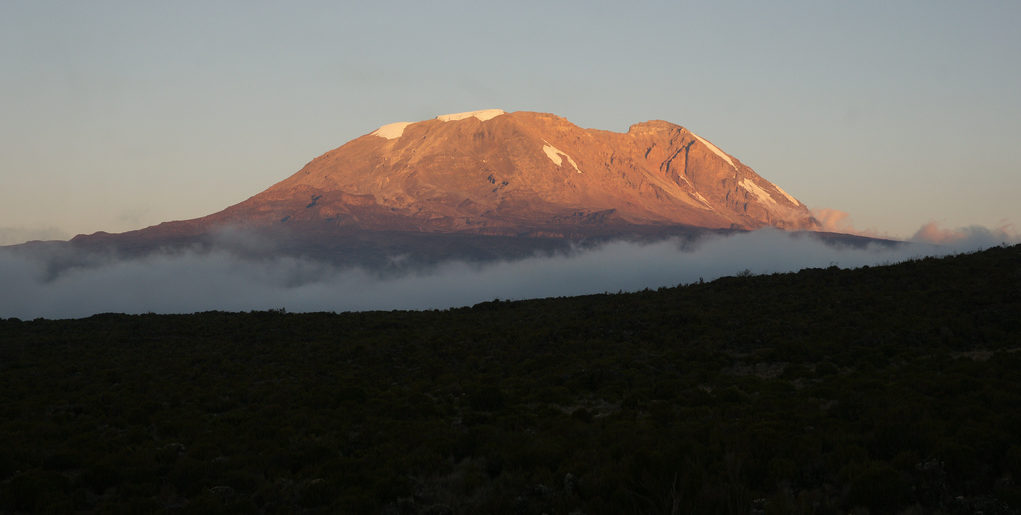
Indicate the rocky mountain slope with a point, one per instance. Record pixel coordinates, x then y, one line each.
490 184
490 172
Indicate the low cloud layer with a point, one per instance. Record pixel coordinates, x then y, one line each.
966 237
835 220
190 282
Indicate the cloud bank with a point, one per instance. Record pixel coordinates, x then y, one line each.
835 220
965 237
218 280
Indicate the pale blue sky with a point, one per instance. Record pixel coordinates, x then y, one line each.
116 115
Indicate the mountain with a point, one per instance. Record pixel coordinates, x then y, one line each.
494 184
491 172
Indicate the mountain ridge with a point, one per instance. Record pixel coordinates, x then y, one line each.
521 172
493 184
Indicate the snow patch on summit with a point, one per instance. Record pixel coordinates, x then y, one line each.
759 193
789 197
482 115
554 153
715 150
391 130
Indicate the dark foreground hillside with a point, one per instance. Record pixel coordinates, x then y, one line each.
883 390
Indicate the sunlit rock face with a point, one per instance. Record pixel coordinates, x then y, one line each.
487 185
491 172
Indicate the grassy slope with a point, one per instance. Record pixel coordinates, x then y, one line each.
888 389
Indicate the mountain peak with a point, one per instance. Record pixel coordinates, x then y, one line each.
391 130
396 130
482 115
523 173
516 176
653 126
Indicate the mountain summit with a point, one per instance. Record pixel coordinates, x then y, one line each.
489 185
491 172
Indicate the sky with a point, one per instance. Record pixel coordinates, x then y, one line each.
893 116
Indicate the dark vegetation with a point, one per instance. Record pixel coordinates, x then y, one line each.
879 390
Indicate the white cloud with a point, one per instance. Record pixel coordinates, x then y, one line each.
191 281
971 237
